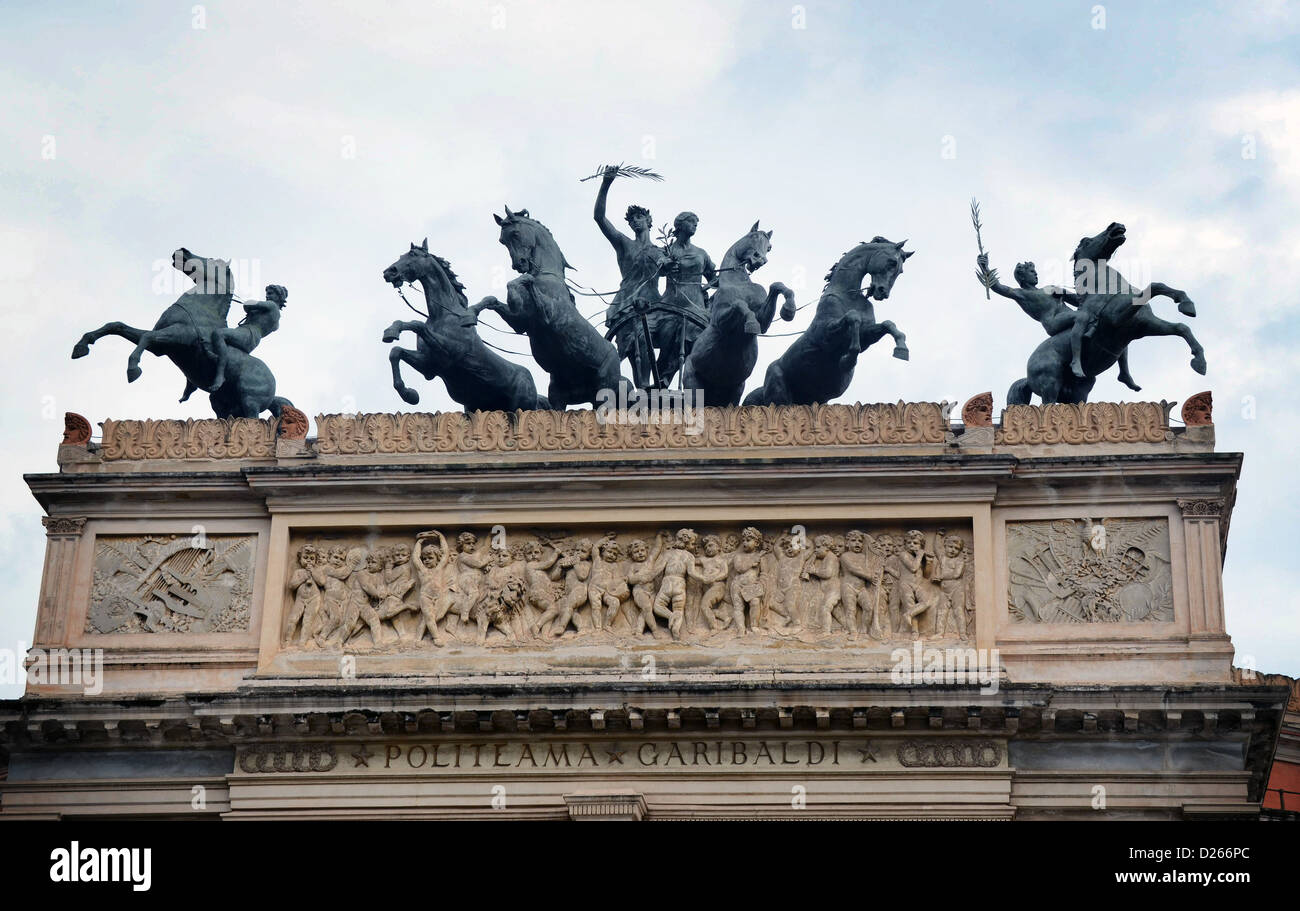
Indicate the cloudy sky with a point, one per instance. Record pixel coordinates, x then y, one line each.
310 143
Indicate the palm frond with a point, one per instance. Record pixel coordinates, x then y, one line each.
624 171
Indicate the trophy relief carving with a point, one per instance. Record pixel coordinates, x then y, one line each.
708 586
172 584
1081 571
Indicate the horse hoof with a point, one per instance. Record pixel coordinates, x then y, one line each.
409 395
901 353
390 337
1198 364
1187 308
81 349
133 374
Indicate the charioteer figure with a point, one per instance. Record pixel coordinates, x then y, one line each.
1051 307
261 318
639 263
690 272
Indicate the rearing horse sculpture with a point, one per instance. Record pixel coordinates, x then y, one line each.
538 303
819 365
1122 315
740 310
182 334
476 377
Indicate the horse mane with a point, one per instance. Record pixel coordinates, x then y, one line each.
866 243
451 276
515 216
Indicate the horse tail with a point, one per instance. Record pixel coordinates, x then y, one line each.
1020 392
278 404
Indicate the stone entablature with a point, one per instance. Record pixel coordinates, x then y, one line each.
576 434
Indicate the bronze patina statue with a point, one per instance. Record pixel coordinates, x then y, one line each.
726 351
476 377
1112 313
639 263
539 304
193 333
819 365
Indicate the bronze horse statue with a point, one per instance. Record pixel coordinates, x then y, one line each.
1122 315
476 377
182 334
578 359
739 312
819 365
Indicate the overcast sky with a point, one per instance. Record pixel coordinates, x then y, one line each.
311 143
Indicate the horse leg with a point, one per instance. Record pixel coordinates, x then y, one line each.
168 335
1160 289
395 357
900 340
130 333
398 327
1154 325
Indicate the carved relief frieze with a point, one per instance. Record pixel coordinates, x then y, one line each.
903 423
172 584
1081 571
210 438
1090 422
472 588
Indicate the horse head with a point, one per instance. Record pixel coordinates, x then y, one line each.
428 269
532 248
210 275
750 252
884 264
1097 249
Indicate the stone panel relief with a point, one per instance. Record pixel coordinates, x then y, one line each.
711 585
1080 571
172 584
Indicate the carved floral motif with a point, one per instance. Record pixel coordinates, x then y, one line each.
211 438
63 526
533 589
1068 571
555 431
1090 422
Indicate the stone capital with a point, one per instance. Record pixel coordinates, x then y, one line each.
63 526
1201 509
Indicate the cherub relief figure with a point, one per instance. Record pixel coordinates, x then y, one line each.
712 574
574 567
305 613
704 587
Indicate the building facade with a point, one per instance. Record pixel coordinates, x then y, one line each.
868 612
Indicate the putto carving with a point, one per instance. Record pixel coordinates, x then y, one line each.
211 438
63 526
1089 422
1198 411
978 410
76 429
171 584
1072 571
712 585
909 423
